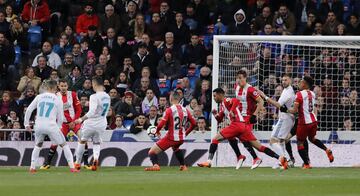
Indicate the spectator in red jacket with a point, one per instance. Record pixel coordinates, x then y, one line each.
37 12
86 19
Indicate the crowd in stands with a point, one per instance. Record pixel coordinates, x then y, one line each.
143 49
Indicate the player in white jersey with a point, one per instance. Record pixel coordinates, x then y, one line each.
94 122
49 119
286 120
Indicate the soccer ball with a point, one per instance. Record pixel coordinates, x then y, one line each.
151 131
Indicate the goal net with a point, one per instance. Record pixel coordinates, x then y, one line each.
332 61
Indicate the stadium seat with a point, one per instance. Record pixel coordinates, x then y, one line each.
176 83
34 36
164 85
193 81
128 123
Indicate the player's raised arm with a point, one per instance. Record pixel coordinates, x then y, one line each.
269 100
29 111
192 123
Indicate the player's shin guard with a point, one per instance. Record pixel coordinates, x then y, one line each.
96 151
269 152
250 149
289 150
234 145
51 154
154 158
34 157
303 154
79 152
68 156
180 156
212 149
319 144
86 155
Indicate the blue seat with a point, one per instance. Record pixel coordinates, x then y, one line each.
192 81
128 123
175 83
164 85
34 36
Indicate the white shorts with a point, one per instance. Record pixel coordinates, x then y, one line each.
53 131
92 130
282 128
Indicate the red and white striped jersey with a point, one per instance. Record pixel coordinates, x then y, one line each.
227 105
306 101
247 97
176 118
72 107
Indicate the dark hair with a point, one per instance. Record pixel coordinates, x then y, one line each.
286 75
242 72
98 80
176 95
63 81
309 81
41 56
51 84
201 118
219 91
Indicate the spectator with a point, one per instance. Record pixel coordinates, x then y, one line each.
334 6
150 45
180 30
122 83
137 28
284 21
268 30
209 62
69 32
84 102
126 108
129 70
114 96
120 51
88 69
141 123
99 71
27 97
53 59
240 25
345 89
8 71
54 75
310 24
225 10
353 27
205 74
10 14
163 104
63 47
95 41
194 51
131 11
318 30
67 66
153 115
4 25
15 135
119 123
29 80
110 20
12 116
204 96
75 79
110 39
303 7
193 104
354 98
330 92
201 125
263 19
201 12
140 90
169 44
169 67
198 112
348 125
79 58
7 104
42 70
188 91
87 19
166 15
144 59
149 100
330 26
156 29
86 88
110 117
341 30
37 13
18 35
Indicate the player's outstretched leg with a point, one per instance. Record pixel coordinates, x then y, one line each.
321 145
96 153
256 160
304 154
270 153
69 157
212 149
240 158
276 145
79 154
153 154
180 157
34 157
290 153
50 156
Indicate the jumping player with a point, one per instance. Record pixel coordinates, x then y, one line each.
72 111
307 123
176 118
49 118
237 128
94 122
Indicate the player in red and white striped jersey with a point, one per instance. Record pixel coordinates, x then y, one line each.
307 123
176 118
238 128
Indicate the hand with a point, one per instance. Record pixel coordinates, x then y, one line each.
262 94
214 112
284 109
253 119
130 115
28 128
158 135
71 125
78 121
34 22
62 44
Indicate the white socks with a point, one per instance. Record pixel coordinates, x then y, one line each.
277 148
79 152
34 157
68 156
96 151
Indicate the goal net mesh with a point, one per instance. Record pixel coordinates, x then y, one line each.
334 65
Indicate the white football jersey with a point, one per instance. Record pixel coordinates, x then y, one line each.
287 98
99 105
49 110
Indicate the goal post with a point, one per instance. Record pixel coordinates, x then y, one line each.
333 61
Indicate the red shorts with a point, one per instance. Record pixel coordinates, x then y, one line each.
65 128
239 130
165 143
304 131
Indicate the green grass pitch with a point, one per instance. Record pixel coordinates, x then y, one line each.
170 182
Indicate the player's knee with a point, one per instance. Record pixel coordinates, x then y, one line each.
262 148
151 152
312 139
215 141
